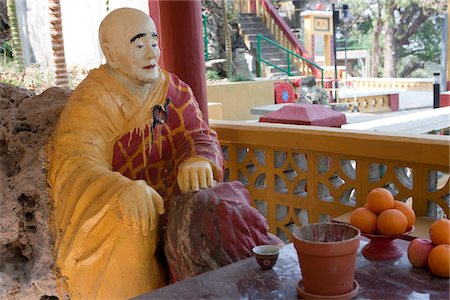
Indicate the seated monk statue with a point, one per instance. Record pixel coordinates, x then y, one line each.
130 136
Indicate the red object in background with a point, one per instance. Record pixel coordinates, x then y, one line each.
318 6
153 7
297 82
305 114
284 93
328 84
253 6
394 102
189 64
444 99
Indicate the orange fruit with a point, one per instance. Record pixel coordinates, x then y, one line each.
380 199
364 219
392 222
439 260
407 211
440 231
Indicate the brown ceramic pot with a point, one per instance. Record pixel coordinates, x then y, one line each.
327 255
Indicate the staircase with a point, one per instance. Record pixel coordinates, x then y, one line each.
251 25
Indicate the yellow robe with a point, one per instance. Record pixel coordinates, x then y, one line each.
97 256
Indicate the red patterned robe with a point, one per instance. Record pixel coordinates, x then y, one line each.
182 134
104 140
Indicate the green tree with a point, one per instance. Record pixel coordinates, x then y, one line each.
366 26
15 34
424 46
228 51
404 34
403 18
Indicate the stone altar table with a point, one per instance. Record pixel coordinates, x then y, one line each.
245 280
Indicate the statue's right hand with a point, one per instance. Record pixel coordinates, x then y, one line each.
139 205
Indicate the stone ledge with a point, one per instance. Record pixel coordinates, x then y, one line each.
417 122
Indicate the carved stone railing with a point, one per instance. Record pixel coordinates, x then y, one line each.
375 103
370 101
301 174
407 84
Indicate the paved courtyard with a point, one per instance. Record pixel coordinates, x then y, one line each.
416 115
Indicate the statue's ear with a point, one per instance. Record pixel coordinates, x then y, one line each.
109 55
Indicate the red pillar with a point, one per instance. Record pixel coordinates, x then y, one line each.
182 45
153 6
444 99
394 101
252 6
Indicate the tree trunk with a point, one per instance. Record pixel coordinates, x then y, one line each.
228 52
390 53
411 67
56 33
376 49
15 34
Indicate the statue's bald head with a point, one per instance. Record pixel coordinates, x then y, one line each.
126 34
118 23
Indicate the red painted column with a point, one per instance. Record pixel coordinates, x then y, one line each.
182 45
153 6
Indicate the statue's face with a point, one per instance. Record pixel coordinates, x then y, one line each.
135 50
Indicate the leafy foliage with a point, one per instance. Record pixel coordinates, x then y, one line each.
16 44
236 78
415 26
212 75
6 51
234 16
425 44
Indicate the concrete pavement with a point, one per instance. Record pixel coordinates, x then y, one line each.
416 115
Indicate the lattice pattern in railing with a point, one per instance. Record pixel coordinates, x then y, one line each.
293 188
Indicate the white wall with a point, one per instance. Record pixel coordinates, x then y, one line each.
34 31
80 20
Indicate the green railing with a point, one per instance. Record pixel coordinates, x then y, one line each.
289 53
205 36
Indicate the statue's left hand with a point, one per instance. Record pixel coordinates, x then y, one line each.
194 174
139 205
